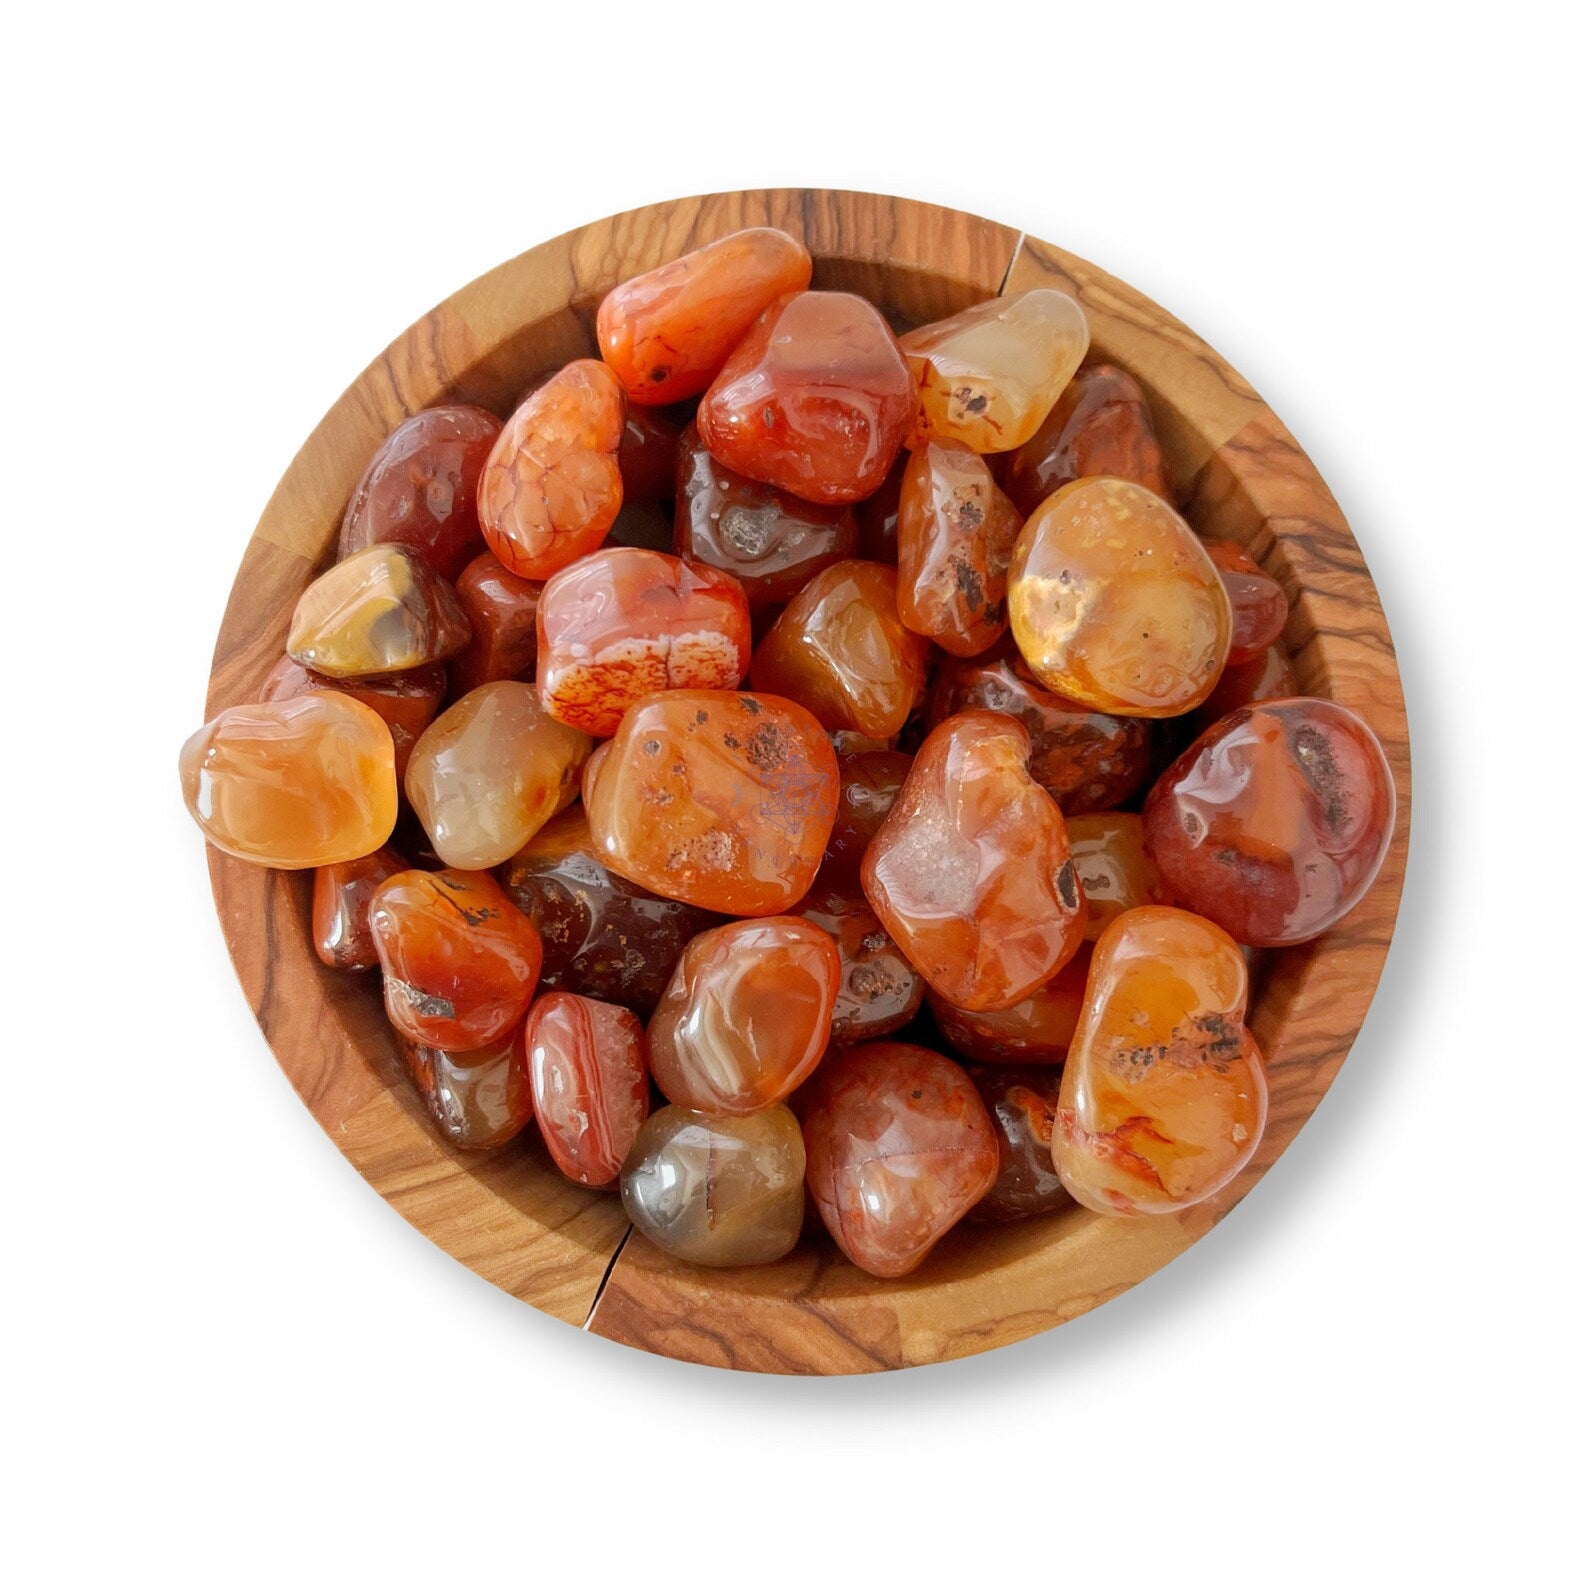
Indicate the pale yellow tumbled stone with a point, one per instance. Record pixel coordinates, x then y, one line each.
490 771
988 376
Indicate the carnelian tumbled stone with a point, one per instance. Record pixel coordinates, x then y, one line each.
746 1016
501 611
381 610
1275 822
989 375
899 1148
971 871
479 1098
1115 603
420 488
489 771
405 702
1021 1104
1267 677
719 799
879 990
840 650
552 487
604 936
339 915
868 784
718 1190
1037 1030
668 332
1087 760
460 962
956 533
815 400
1258 604
587 1068
1100 425
1117 873
295 783
769 541
1164 1097
623 623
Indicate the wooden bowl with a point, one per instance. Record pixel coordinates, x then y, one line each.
509 1215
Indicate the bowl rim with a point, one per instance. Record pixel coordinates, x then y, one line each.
508 1215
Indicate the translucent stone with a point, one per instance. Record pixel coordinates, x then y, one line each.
956 531
1164 1098
746 1016
460 962
1258 604
723 1192
1114 602
294 783
476 1099
879 990
1117 874
623 623
899 1149
816 400
666 333
1037 1030
489 771
971 871
719 799
552 486
587 1069
1275 822
1100 425
988 375
868 784
381 610
420 487
405 702
1021 1103
339 914
501 610
770 541
839 650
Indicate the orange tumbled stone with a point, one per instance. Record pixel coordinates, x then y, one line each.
1164 1097
816 399
339 914
746 1016
1117 873
898 1148
1037 1030
879 990
667 333
971 871
1114 602
405 702
719 799
380 610
841 651
623 623
477 1099
1258 604
296 783
490 771
501 610
587 1068
868 784
460 961
956 532
552 486
1266 677
1100 425
988 375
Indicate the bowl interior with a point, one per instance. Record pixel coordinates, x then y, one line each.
508 1214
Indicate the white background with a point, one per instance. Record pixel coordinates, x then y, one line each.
226 1360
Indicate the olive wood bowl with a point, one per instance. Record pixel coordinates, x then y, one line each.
509 1215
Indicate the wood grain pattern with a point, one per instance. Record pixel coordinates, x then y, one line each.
510 1217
